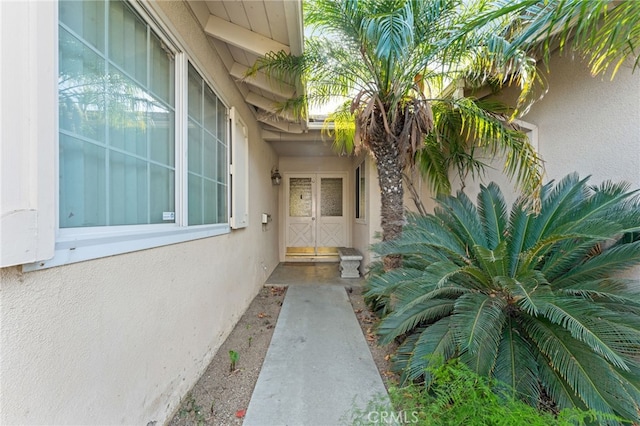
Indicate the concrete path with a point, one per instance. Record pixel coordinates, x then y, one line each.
318 367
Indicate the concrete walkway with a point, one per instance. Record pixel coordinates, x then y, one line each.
318 367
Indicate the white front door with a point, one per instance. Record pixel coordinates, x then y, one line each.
315 212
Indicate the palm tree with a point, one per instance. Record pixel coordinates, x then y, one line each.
535 301
605 32
393 60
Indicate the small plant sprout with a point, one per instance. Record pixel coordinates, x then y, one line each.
233 357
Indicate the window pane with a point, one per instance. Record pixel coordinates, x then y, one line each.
300 197
209 164
124 152
210 111
161 125
162 190
195 95
210 203
128 189
361 199
222 204
331 197
86 19
222 163
195 200
162 70
81 86
128 41
195 148
127 109
360 192
222 122
82 183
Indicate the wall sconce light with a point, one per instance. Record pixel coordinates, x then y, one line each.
275 176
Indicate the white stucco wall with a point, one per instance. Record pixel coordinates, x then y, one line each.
119 340
586 124
589 125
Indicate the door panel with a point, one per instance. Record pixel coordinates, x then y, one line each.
331 227
300 232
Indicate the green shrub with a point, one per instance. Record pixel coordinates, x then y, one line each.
534 301
458 396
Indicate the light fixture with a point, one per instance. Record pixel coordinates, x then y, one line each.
275 176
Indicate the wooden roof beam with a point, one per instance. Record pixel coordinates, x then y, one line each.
261 81
284 126
241 37
268 105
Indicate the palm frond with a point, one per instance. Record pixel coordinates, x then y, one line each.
618 259
519 223
493 262
569 314
399 322
574 364
607 32
493 214
516 364
462 217
478 322
426 346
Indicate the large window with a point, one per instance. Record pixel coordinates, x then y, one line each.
118 112
207 154
117 117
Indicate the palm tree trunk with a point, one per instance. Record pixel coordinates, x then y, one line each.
388 160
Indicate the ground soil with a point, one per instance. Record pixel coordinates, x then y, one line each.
222 394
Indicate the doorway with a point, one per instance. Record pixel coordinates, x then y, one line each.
316 222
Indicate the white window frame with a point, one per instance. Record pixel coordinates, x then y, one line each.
361 192
81 244
531 130
28 130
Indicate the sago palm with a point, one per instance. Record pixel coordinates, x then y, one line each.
536 301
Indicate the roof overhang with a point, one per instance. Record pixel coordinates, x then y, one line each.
244 30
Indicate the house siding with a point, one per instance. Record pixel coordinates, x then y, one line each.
122 339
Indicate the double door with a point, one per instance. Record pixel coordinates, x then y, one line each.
316 222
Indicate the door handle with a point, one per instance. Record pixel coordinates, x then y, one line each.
313 218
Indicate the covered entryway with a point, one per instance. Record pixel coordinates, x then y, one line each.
315 215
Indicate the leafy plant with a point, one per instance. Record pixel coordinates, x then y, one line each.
233 357
458 396
535 301
191 407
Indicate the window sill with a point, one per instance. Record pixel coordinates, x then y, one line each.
72 247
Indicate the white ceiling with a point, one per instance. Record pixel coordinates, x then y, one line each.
244 30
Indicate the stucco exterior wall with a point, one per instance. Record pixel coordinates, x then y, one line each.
119 340
586 124
589 125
